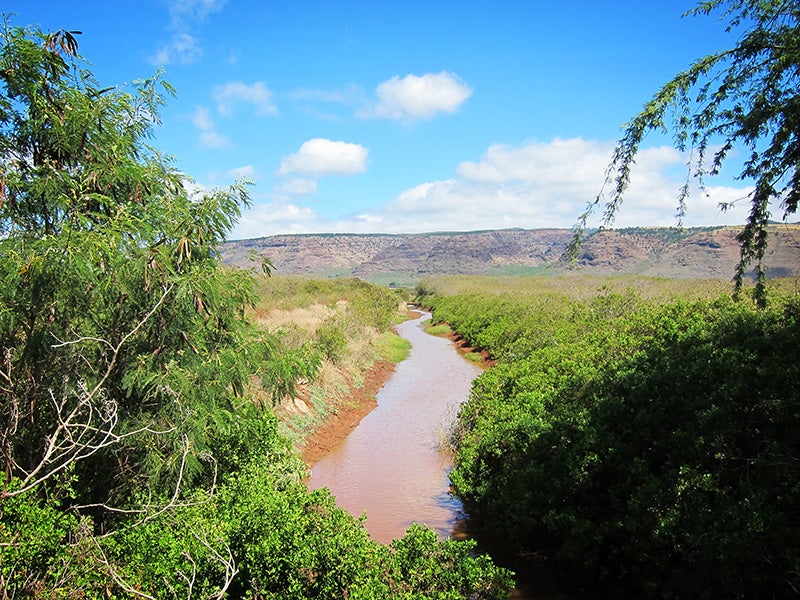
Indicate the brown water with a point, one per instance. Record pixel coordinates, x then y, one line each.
391 465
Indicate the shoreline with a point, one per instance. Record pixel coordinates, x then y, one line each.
362 401
337 427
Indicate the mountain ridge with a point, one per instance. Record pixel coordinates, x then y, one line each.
403 259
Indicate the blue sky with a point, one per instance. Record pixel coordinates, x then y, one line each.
369 117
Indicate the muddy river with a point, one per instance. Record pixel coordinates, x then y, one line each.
392 466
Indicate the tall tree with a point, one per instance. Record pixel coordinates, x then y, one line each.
118 331
122 342
744 97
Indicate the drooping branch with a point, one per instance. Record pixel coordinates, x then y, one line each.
745 97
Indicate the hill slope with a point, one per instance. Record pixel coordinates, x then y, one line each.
403 259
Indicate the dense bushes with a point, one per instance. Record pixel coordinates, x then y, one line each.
638 444
260 534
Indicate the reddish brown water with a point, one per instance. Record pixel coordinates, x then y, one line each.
391 466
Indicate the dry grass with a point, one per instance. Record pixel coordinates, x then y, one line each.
307 318
301 309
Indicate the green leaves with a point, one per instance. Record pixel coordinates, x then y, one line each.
746 98
425 568
123 342
635 441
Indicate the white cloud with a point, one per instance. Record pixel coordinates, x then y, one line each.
276 217
235 92
321 157
209 137
182 48
185 12
213 139
247 172
535 185
549 184
185 16
418 97
559 162
298 187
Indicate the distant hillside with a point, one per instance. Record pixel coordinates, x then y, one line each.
404 259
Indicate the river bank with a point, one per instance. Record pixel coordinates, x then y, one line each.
393 466
362 401
337 427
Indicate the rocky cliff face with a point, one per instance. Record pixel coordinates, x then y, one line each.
404 259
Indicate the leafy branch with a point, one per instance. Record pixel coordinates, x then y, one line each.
85 418
747 97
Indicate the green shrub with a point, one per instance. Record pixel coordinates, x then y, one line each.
635 442
33 544
330 340
438 329
394 348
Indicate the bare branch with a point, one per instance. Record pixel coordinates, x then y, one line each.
227 562
116 349
86 420
224 558
151 511
103 560
189 580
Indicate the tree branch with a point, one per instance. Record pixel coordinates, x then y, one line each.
85 419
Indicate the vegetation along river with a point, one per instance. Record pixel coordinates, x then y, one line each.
392 466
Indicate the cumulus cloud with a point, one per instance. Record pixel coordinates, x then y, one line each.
416 97
209 136
321 157
534 185
548 185
276 217
560 162
237 92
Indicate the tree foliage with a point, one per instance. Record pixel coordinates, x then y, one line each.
743 98
112 306
135 461
635 445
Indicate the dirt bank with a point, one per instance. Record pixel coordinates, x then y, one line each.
361 401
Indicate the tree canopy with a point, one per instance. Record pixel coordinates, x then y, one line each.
745 97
